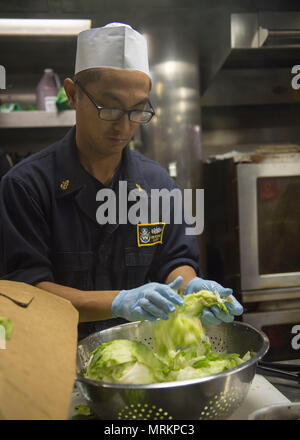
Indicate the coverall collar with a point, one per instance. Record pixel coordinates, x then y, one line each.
72 178
71 175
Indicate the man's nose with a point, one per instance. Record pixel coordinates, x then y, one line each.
123 123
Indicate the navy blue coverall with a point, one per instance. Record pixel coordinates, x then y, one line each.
49 230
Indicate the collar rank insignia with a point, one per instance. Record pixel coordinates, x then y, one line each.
64 184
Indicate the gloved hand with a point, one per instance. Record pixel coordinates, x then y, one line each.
213 315
150 301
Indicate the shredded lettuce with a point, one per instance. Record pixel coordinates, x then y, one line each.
8 326
181 349
82 410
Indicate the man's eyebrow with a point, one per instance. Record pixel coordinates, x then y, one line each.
115 98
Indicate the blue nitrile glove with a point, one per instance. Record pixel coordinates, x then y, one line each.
150 301
213 315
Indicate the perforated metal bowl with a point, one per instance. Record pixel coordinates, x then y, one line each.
205 398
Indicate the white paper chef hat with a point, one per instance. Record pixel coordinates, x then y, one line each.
114 45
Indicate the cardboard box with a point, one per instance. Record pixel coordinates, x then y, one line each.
38 363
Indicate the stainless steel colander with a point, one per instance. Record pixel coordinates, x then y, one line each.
205 398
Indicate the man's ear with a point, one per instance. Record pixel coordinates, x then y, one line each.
71 92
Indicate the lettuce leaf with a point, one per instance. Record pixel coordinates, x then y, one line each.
125 361
183 330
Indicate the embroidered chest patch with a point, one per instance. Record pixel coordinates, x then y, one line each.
150 234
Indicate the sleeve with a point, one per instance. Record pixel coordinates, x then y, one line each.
24 235
177 249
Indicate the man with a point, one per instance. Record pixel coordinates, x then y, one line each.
50 234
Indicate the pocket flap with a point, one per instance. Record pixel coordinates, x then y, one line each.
74 261
138 257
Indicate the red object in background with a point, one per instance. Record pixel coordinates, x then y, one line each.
267 189
281 339
278 335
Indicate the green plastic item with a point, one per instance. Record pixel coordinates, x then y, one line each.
30 107
62 102
11 107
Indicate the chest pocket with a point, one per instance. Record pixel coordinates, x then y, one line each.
138 262
74 269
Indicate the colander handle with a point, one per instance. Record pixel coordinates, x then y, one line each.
276 372
280 366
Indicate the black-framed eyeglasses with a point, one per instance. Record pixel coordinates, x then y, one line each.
114 114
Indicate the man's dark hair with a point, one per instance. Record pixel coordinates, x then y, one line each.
90 75
85 77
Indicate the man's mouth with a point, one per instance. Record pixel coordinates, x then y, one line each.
117 140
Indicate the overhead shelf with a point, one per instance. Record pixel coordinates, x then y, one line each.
36 118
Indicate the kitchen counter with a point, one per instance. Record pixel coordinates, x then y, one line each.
290 391
262 393
268 390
